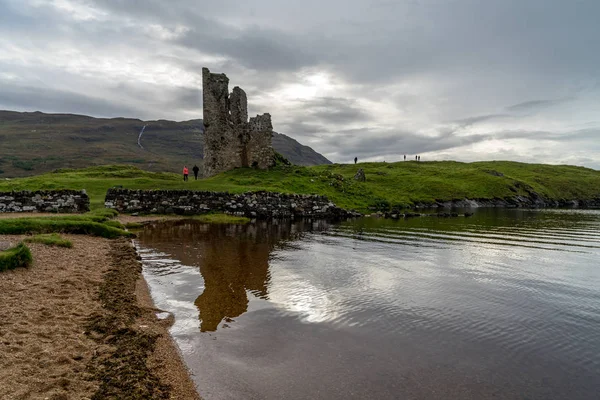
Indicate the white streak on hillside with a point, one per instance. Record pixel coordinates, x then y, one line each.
140 137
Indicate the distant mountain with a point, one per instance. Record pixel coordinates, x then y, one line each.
33 142
296 152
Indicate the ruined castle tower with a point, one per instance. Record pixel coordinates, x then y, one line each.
230 140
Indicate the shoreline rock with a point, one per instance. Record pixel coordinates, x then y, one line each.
534 201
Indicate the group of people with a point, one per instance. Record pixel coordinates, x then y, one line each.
417 158
186 172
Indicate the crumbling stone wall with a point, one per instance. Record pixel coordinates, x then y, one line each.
59 201
230 140
260 205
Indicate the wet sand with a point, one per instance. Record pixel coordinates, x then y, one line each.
166 360
51 345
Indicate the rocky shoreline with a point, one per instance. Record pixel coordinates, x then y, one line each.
270 205
256 205
534 201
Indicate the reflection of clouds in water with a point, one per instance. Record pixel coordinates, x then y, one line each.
308 293
460 297
383 278
299 297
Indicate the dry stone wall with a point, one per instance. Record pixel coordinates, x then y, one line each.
260 205
59 201
230 140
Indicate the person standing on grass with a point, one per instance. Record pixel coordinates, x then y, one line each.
195 169
185 173
355 160
405 157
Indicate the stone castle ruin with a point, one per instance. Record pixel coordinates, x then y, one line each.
230 140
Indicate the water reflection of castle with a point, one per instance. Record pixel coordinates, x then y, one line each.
233 259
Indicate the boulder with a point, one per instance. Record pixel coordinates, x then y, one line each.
360 175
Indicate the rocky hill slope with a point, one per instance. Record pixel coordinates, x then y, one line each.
32 143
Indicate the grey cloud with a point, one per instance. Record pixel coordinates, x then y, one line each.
393 39
254 48
370 143
450 66
519 110
332 110
303 129
534 105
466 122
581 135
51 100
320 117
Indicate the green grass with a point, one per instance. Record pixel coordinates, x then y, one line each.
115 224
205 218
221 219
15 257
401 184
51 239
96 223
19 226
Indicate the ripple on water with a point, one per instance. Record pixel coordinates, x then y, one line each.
501 303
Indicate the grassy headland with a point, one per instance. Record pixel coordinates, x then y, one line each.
401 184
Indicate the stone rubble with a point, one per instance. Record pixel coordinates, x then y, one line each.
360 175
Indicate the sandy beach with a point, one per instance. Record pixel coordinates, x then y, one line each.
79 323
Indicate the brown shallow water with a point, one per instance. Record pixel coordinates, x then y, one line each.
505 304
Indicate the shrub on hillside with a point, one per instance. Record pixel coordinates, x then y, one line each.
22 164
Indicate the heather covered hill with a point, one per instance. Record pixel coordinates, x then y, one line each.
33 143
296 152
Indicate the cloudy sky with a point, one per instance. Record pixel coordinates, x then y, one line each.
446 79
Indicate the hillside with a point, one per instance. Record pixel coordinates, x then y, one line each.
388 185
297 153
34 143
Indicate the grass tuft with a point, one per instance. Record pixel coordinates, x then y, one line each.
15 257
107 213
114 224
134 225
20 226
221 219
51 239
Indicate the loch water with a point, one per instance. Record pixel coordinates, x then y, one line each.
502 305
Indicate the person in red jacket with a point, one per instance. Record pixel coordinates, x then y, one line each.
185 173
